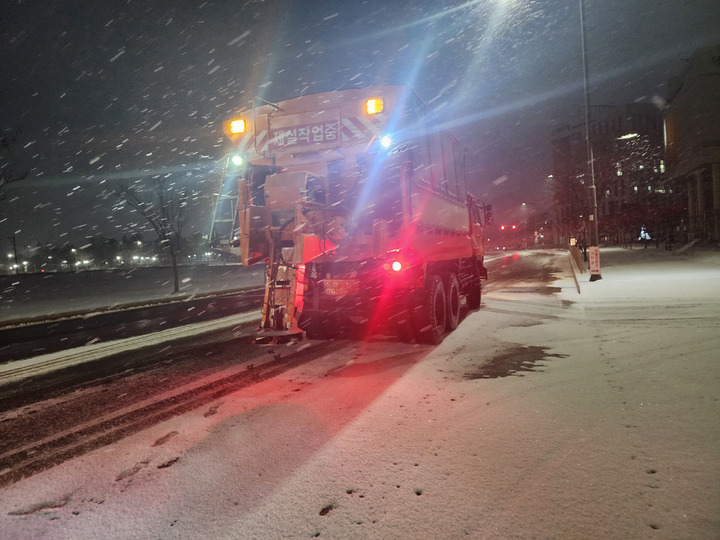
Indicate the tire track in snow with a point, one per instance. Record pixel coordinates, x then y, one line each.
40 455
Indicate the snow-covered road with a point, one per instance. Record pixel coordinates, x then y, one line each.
546 414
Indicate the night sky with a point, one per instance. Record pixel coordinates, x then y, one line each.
102 91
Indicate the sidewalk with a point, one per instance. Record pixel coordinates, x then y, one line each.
625 272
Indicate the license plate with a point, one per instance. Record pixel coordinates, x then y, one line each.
340 287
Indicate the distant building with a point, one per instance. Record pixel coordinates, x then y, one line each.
692 140
631 184
569 164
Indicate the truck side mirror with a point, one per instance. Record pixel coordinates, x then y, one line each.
487 211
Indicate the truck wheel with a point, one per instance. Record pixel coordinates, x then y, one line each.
404 318
432 317
404 330
453 302
313 326
474 296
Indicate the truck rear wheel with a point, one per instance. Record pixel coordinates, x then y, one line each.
432 316
404 319
474 296
453 302
404 330
315 326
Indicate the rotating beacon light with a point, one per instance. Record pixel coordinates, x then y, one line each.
238 126
374 105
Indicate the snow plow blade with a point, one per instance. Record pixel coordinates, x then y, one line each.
271 337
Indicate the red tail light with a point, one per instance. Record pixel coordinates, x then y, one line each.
403 269
397 263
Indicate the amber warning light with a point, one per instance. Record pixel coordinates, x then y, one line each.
374 105
237 126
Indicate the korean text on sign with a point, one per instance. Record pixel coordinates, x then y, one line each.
594 256
326 132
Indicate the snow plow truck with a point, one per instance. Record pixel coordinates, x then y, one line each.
359 208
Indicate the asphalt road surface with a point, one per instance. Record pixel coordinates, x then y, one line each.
47 419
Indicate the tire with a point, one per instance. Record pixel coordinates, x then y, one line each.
314 326
474 295
405 330
432 316
453 302
403 319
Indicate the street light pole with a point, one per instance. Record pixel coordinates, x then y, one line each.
594 235
15 257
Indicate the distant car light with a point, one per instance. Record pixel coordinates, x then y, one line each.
237 160
396 266
386 141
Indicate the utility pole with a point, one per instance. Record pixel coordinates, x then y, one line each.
15 258
594 250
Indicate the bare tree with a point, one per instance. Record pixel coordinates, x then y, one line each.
161 200
9 168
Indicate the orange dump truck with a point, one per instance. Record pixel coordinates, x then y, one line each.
359 208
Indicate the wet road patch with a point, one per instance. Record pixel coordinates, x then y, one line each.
514 361
534 289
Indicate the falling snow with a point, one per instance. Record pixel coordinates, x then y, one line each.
118 55
239 38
